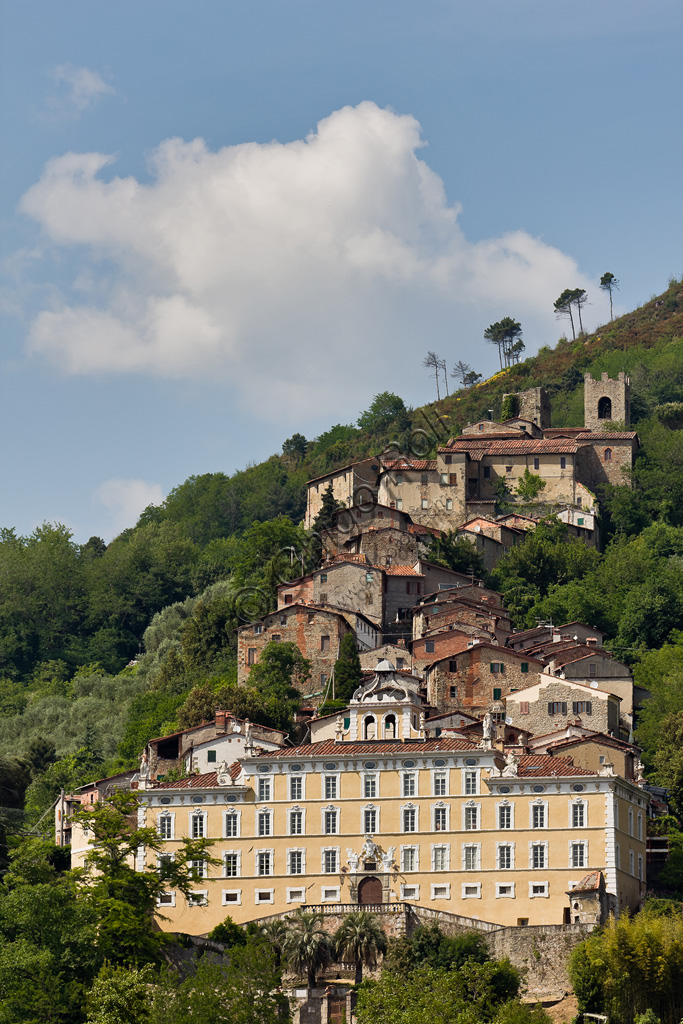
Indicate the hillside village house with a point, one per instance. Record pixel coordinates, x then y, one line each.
439 822
463 481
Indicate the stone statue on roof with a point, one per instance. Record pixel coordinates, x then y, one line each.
511 769
223 774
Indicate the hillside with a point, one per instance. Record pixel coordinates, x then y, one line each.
171 592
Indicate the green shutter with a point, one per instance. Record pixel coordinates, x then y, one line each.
525 666
497 693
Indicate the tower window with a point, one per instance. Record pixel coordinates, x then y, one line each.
605 408
608 454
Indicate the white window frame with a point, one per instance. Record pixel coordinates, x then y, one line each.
578 802
302 851
476 847
203 869
232 853
544 844
336 889
446 895
500 895
476 895
302 777
446 847
202 893
337 785
416 851
544 805
258 889
511 805
512 856
267 812
232 813
261 782
539 895
171 817
446 777
297 809
416 809
476 772
582 843
272 863
441 806
292 898
225 902
194 813
363 830
375 777
170 893
469 806
328 810
336 850
413 888
405 774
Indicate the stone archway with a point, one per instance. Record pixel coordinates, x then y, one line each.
605 408
370 891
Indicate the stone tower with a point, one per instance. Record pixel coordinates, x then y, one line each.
606 401
533 405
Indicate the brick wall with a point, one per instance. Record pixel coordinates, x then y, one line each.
474 686
304 627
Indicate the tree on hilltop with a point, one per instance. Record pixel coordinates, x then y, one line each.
608 283
434 363
506 334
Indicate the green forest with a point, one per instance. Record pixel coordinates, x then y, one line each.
105 646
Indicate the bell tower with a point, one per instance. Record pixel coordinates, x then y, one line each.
606 401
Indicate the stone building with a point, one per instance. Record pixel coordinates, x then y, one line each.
469 605
533 405
386 536
354 484
549 705
606 401
478 677
539 636
316 630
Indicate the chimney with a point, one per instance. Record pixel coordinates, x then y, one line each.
220 721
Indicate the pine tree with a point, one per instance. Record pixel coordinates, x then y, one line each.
348 673
325 520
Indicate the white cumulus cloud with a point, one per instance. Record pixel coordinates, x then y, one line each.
123 501
291 270
74 89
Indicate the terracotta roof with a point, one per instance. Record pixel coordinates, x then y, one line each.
607 435
362 747
479 446
544 765
409 464
595 737
578 652
401 570
590 883
206 781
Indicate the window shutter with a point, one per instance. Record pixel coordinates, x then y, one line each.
524 707
492 667
550 708
525 666
564 707
589 707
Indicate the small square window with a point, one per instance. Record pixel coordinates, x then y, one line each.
454 691
487 472
323 577
429 647
211 756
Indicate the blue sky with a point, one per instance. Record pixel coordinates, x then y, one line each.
225 222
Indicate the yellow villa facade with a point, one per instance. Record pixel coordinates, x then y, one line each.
402 818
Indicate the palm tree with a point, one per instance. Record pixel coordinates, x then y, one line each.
275 933
360 938
307 946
